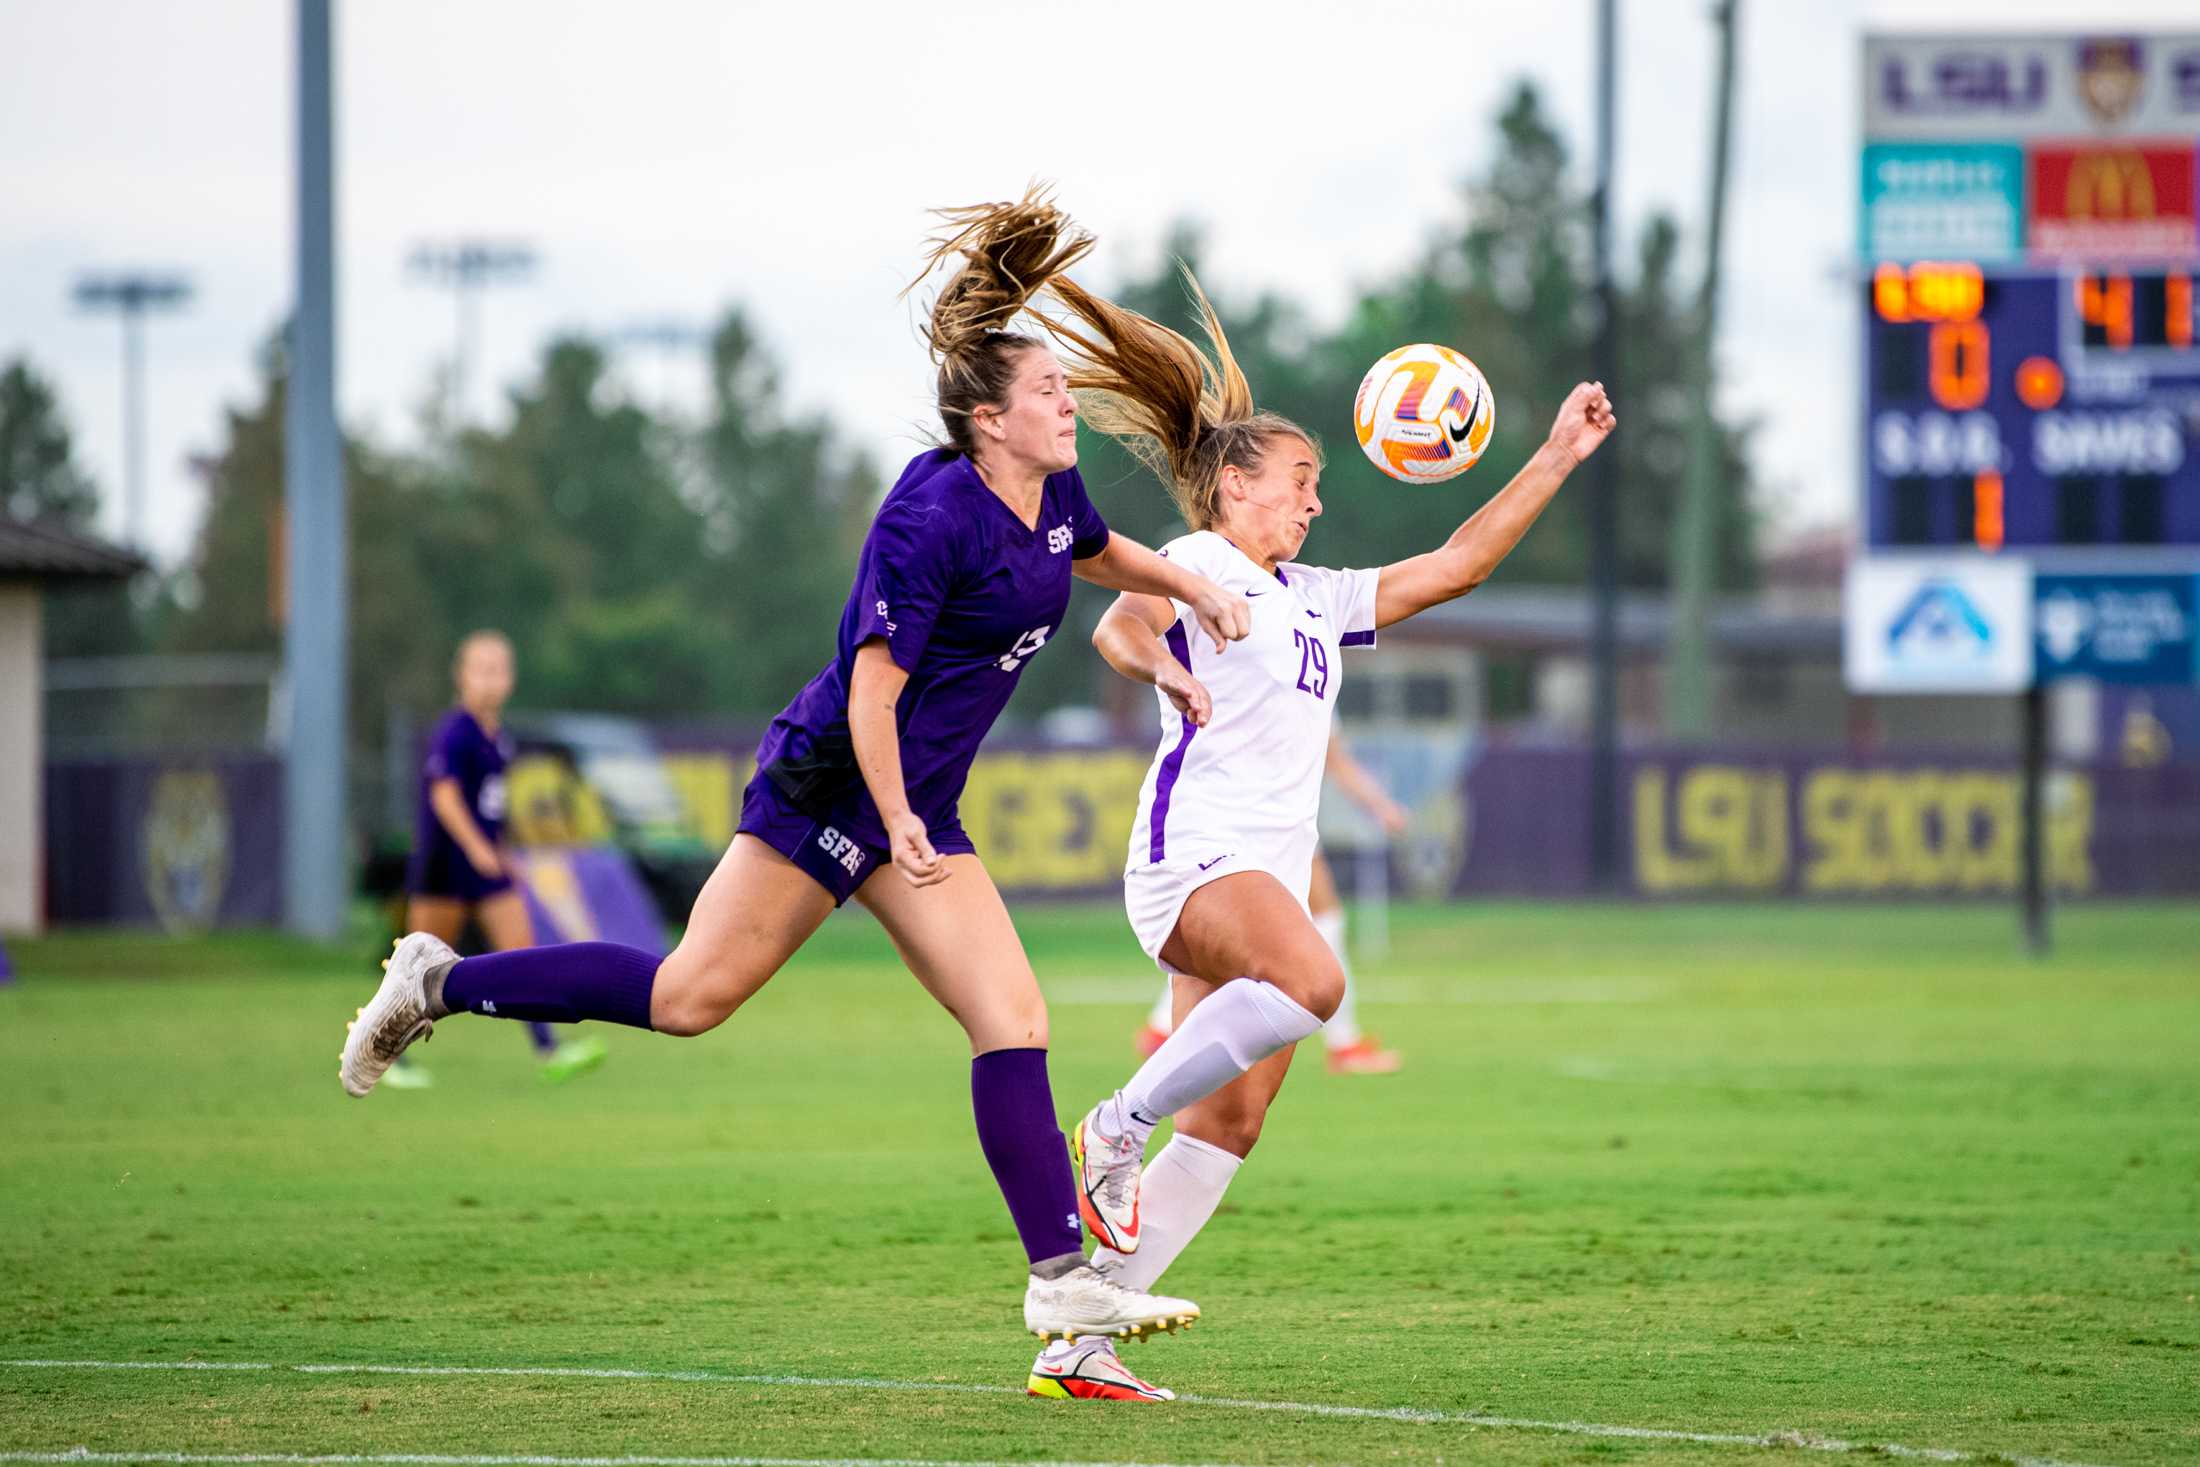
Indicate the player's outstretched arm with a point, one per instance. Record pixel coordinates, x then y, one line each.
1490 533
874 687
1126 565
1362 787
1129 639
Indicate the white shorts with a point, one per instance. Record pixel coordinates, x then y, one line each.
1154 894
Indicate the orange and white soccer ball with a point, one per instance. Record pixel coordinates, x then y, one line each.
1423 413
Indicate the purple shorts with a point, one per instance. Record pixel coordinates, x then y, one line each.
837 862
443 871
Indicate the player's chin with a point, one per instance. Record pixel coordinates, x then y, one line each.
1065 456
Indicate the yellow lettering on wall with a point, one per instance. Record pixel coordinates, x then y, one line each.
1053 820
1730 830
1937 831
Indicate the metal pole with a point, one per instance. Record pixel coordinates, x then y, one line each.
2033 895
1603 507
315 857
1696 527
133 423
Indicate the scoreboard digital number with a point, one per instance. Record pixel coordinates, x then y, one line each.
2031 408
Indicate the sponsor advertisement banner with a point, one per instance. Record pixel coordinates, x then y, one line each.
2118 628
2105 201
2108 85
1939 624
1940 201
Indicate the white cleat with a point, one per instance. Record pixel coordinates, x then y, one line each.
1108 1173
1085 1301
396 1015
1088 1370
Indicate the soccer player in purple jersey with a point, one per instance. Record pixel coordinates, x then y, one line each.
458 868
1216 883
963 578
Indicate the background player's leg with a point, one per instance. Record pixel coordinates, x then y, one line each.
1351 1051
752 914
958 940
504 921
443 918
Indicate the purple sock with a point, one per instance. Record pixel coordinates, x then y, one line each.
544 1038
557 985
1023 1144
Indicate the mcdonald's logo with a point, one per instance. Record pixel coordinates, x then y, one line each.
2109 186
2123 200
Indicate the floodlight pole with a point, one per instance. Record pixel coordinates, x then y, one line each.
2032 891
1603 505
1696 527
130 296
316 865
468 266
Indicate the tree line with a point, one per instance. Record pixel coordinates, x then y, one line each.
654 566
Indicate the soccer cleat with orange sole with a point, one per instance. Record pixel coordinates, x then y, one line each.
1108 1173
1088 1370
1364 1056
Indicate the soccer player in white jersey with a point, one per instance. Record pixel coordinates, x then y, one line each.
1221 852
1350 1049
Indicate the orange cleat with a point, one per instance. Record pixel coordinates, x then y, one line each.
1364 1056
1150 1039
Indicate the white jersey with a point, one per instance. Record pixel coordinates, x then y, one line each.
1243 791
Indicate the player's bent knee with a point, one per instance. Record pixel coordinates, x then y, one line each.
1316 986
685 1005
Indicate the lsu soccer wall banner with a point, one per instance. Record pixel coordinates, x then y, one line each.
1779 824
183 844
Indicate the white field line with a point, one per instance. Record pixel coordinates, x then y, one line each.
1796 1440
1524 993
427 1459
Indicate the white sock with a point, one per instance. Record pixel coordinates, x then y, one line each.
1233 1029
1343 1028
1163 1014
1182 1188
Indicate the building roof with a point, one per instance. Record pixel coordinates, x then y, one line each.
43 551
1550 619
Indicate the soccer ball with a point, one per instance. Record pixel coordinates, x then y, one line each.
1423 413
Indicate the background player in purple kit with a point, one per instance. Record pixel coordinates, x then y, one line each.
963 578
458 868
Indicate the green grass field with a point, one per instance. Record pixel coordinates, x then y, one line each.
1852 1173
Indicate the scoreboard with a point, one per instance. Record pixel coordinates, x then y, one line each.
2032 408
2030 292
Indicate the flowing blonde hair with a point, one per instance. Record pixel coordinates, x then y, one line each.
1184 413
1009 252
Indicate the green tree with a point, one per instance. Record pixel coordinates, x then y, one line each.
785 510
39 477
40 480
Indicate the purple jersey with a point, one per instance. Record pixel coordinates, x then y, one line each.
459 749
963 595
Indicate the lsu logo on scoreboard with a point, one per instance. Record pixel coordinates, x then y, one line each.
2117 200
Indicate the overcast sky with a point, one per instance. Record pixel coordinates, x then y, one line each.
669 157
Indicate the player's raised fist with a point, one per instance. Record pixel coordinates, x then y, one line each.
1585 420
